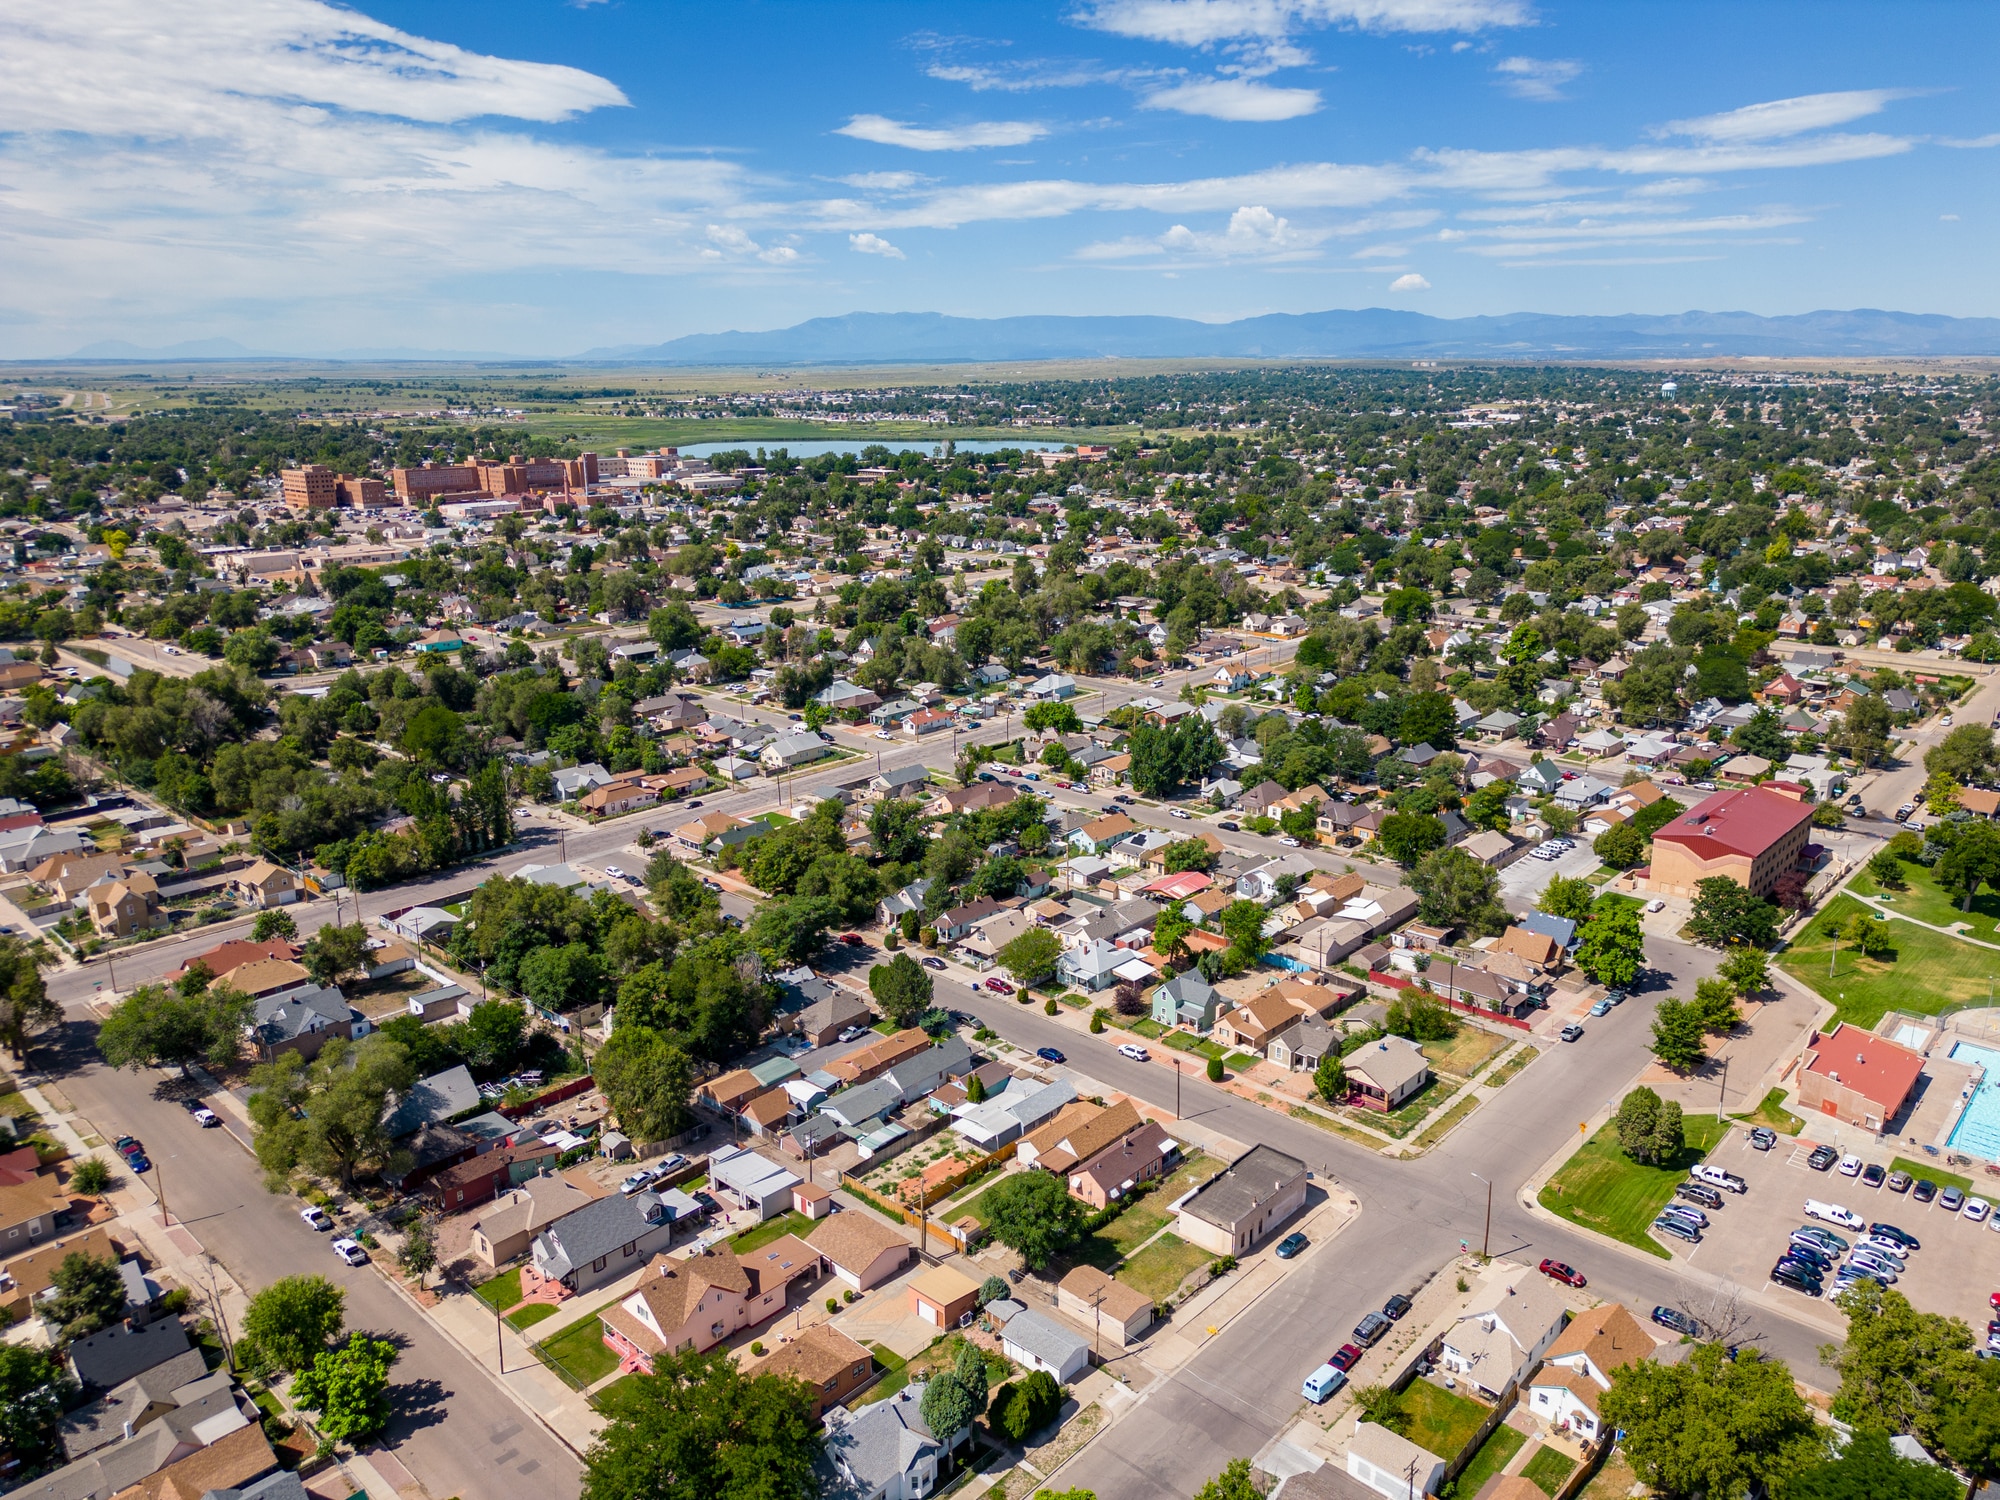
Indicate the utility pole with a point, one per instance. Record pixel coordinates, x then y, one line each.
1486 1239
221 1318
1722 1098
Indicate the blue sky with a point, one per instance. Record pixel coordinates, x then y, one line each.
539 177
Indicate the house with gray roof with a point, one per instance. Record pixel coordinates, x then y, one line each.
603 1240
918 1075
789 750
909 898
1187 1000
303 1020
573 781
432 1101
882 1451
114 1355
863 1106
1043 1344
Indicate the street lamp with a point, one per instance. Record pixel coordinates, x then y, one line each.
1486 1240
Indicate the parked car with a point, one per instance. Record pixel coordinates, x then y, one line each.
1680 1322
1686 1212
1346 1357
1888 1250
1050 1054
1395 1307
1899 1182
315 1218
1822 1158
1873 1174
1288 841
1763 1137
1923 1190
1809 1254
614 872
933 963
1134 1051
1833 1213
849 1033
1899 1236
1951 1199
1976 1209
1601 1008
191 1104
1370 1328
128 1146
1122 800
1291 1245
1000 986
1175 812
1680 1229
643 1178
853 939
140 1164
1717 1177
1788 1274
1850 1165
1699 1192
1322 1383
1656 904
1229 827
351 1252
1571 1033
1567 1275
1870 1265
1826 1237
207 1119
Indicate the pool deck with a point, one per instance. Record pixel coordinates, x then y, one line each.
1936 1112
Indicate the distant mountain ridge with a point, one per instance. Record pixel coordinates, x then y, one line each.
1366 333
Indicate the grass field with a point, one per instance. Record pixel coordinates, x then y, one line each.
503 1291
527 1317
1464 1053
1599 1188
771 1229
1923 972
1927 901
1162 1266
1438 1420
1772 1112
1494 1455
1547 1470
580 1349
1934 1172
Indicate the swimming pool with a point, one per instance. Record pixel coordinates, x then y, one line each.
1978 1127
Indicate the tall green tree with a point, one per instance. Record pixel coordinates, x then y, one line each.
1456 890
89 1294
1569 897
1712 1426
292 1321
25 1007
1747 972
326 1116
1677 1035
698 1428
158 1028
1408 837
1972 860
347 1388
646 1080
902 987
1033 1213
1898 1366
336 953
1031 956
1867 1468
1242 922
1725 914
1612 950
34 1394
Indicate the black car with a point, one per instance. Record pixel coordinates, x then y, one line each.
1395 1307
1872 1175
1370 1329
1797 1278
1809 1255
1890 1232
1822 1158
1050 1054
1699 1192
1923 1190
1680 1322
1228 827
1291 1245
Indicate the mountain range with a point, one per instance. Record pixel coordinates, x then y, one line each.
1367 333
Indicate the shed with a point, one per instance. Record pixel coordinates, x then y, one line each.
1041 1343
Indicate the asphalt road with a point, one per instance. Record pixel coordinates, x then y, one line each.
1242 1388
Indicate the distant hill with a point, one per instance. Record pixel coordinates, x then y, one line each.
189 349
1368 333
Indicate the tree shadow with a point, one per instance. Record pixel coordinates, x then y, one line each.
416 1404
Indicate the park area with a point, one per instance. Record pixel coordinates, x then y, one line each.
1602 1189
1921 971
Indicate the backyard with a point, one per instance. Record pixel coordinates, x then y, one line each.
1602 1189
1435 1419
1494 1455
1548 1470
1923 972
1160 1268
771 1229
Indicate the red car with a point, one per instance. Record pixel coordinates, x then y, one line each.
852 939
1567 1275
1000 986
1345 1358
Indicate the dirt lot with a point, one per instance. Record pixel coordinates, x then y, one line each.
1958 1267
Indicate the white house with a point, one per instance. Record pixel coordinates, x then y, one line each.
1499 1339
1040 1343
1578 1366
1390 1464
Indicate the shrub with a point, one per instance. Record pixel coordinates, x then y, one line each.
890 940
849 1295
756 1349
1215 1070
1097 1023
1051 1008
1223 1266
833 1304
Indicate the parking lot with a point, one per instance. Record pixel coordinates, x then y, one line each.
1954 1272
1522 882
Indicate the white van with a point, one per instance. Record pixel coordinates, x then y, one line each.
1716 1177
1323 1382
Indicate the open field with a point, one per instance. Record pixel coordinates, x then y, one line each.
1600 1188
1927 901
1923 972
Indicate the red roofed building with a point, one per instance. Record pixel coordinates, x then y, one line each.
1751 834
1177 887
1857 1077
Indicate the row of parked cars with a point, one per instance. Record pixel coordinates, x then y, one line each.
1951 1198
1813 1253
1331 1376
1686 1217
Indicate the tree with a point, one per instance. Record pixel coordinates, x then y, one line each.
92 1177
1612 950
1677 1036
25 1007
34 1393
1887 871
1408 837
333 953
157 1028
348 1388
902 987
1170 930
1869 1469
1420 1017
1164 760
699 1428
326 1115
274 922
1725 914
290 1323
1622 847
953 1398
1638 1121
1188 854
1235 1482
1031 955
898 829
1968 1419
90 1294
1033 1213
1965 755
1456 890
418 1257
1429 719
1060 718
1862 932
1569 897
992 1289
1712 1425
1940 794
646 1080
1714 1004
1747 971
1028 1407
1330 1079
1972 860
1764 735
1896 1362
789 931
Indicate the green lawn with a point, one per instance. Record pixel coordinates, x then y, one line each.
1923 972
1148 1028
1927 901
771 1229
1547 1470
1513 1065
973 1208
1135 1226
1934 1172
530 1315
1600 1188
1160 1268
1438 1420
1462 1055
1494 1455
580 1349
1772 1112
503 1291
618 1396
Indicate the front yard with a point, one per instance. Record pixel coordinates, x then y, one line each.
1602 1189
579 1352
1160 1268
1435 1419
771 1229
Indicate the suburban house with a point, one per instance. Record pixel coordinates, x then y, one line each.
599 1242
303 1020
1233 1211
1300 1047
751 1181
1384 1075
1753 835
1497 1341
943 1296
1857 1077
698 1301
1251 1024
471 1183
1009 1112
827 1360
1187 1000
1578 1366
881 1451
505 1230
1040 1343
1108 1307
824 1020
1392 1465
265 884
863 1251
31 1211
119 908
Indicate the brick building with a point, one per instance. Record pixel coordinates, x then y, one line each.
1753 835
1857 1077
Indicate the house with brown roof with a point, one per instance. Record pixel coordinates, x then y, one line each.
1250 1024
1537 948
267 976
691 838
872 1061
827 1360
225 958
1054 1147
978 797
507 1228
265 884
1137 1156
27 1276
862 1250
31 1212
1113 1312
119 908
698 1301
618 796
1577 1368
943 1296
70 875
226 1465
468 1184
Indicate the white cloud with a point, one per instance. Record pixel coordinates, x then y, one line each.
727 242
1205 23
1537 78
1253 233
1947 218
1786 117
884 131
874 244
1409 282
1235 99
885 182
